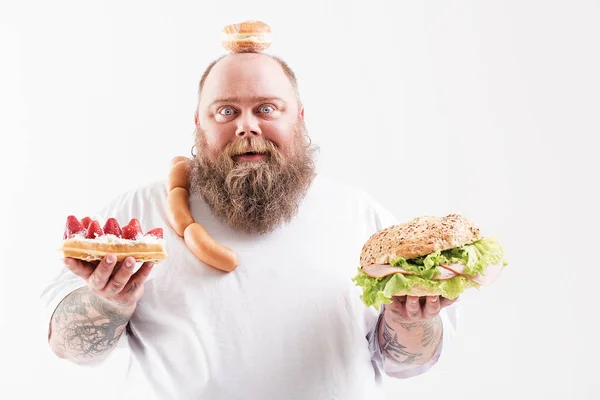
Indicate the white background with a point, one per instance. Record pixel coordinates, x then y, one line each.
487 108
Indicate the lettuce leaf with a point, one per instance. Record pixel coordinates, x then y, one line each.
380 291
475 256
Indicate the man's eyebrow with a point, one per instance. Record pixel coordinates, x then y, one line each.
254 99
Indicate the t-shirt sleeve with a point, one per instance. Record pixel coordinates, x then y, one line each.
383 218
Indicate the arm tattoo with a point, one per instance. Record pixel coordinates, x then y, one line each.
89 326
395 351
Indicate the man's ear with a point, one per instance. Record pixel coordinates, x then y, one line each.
195 118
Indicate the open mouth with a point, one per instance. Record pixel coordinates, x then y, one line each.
251 155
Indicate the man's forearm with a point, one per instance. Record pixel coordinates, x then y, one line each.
409 342
85 328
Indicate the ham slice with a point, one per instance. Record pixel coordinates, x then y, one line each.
444 274
490 274
458 269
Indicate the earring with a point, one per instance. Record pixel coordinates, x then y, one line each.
192 151
309 141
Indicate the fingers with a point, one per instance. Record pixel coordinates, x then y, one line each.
98 279
432 306
413 308
111 280
446 302
79 267
136 282
406 308
120 276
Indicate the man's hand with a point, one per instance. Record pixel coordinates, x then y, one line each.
407 309
88 322
111 281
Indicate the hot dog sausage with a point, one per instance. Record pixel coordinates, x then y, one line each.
208 250
178 210
182 221
179 175
175 160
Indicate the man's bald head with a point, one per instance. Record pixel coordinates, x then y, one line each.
284 66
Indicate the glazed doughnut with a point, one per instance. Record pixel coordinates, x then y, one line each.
86 240
246 37
195 236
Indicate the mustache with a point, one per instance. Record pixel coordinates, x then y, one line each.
250 145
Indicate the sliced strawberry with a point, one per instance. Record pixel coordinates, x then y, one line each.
112 227
73 226
86 221
94 230
156 232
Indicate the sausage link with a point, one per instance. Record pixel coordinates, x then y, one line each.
175 160
178 210
208 250
179 175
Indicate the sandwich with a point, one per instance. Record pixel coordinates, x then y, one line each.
427 256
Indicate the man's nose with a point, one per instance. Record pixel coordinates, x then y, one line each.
248 126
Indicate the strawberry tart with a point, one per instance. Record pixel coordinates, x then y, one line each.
86 240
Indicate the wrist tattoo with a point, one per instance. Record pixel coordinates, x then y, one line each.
432 329
394 350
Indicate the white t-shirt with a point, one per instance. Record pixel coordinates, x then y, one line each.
288 323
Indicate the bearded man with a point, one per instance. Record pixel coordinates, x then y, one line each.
288 322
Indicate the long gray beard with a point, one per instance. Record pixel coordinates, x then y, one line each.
253 197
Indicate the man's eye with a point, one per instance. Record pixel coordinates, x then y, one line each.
266 109
226 111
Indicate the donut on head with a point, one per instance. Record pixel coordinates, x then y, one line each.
246 37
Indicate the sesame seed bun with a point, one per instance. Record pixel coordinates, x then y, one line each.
418 237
